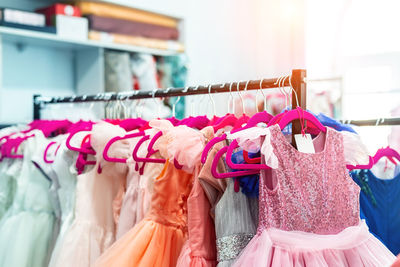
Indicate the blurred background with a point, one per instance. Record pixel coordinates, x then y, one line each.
349 47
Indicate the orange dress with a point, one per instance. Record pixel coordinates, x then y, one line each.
158 239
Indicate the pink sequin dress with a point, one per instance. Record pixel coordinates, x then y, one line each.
309 210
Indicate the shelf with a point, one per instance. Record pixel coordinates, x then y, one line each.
144 7
20 36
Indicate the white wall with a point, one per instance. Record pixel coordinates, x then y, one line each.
232 40
221 40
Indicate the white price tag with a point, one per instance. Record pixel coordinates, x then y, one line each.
304 143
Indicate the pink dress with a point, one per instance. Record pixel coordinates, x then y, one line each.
157 240
309 210
93 229
135 203
199 249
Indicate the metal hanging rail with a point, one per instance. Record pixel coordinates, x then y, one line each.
297 81
376 122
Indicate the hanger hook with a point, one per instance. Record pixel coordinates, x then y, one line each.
174 105
265 97
245 90
379 121
279 83
153 95
240 95
285 92
192 102
223 86
212 99
294 91
231 98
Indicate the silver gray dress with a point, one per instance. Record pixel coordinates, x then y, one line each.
236 220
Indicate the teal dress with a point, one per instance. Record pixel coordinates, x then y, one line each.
27 227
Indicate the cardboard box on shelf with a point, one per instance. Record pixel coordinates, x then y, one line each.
71 27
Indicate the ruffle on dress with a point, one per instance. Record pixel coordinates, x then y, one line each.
354 246
147 244
179 142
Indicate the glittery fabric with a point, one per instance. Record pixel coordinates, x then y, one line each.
229 247
235 215
313 192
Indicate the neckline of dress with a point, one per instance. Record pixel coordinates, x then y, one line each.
396 177
282 138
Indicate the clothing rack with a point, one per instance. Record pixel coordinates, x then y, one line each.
375 122
297 81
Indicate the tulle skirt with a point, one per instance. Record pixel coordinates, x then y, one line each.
83 243
147 244
187 259
354 246
25 239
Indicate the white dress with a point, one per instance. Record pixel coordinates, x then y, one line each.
27 227
63 166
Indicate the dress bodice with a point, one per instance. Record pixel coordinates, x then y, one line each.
236 218
96 189
169 200
32 193
309 192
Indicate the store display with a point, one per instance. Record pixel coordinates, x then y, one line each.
139 196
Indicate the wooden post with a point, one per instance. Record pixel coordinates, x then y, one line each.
300 87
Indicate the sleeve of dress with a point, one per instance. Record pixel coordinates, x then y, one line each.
355 152
257 139
213 188
180 143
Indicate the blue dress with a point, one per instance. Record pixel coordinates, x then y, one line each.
380 207
248 184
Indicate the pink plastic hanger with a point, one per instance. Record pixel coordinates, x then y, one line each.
300 114
228 120
132 124
368 166
265 118
115 139
150 150
217 175
82 161
79 128
388 152
234 145
47 149
236 166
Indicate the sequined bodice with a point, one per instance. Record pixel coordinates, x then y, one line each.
313 192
